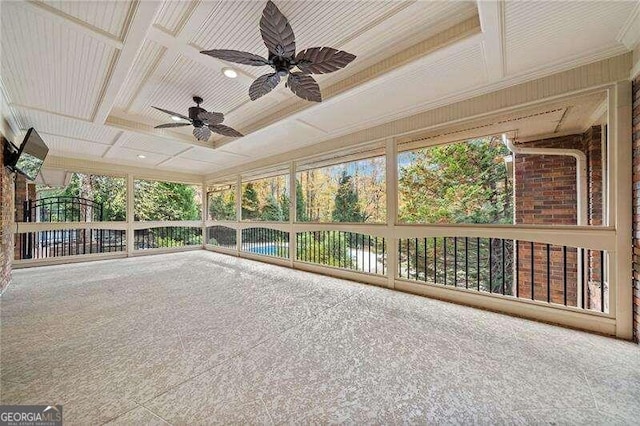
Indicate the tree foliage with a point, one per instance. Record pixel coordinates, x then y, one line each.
165 201
346 206
464 182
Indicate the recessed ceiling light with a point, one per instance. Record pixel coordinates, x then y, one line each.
142 157
229 72
176 118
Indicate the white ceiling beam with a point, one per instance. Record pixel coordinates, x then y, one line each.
73 22
142 20
492 25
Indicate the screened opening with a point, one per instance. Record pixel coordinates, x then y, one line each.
221 202
353 190
462 182
266 199
166 201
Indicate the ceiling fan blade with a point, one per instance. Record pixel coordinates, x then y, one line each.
237 56
202 133
211 117
165 126
322 60
263 85
304 86
175 114
225 130
276 32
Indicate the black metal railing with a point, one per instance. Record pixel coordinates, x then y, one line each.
167 237
63 209
341 249
69 242
221 236
522 269
266 242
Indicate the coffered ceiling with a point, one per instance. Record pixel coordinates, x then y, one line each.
85 74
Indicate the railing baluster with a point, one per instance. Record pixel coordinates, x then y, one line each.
415 274
602 281
490 265
444 251
424 254
503 267
435 260
466 262
548 273
517 262
455 261
478 265
564 273
532 273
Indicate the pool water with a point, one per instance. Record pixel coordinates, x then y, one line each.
268 250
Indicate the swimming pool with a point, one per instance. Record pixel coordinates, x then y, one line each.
270 250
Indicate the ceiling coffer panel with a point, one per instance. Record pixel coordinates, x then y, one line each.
405 93
235 25
185 79
536 36
173 15
63 146
49 66
143 66
49 124
112 17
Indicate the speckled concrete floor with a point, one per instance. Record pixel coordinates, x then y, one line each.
200 337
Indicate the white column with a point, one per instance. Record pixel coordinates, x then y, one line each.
130 213
205 213
292 213
238 213
620 207
391 175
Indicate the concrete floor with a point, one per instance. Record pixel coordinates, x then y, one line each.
200 337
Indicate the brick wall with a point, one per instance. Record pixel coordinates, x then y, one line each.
636 208
6 221
545 194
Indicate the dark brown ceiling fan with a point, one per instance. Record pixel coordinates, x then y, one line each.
203 122
278 36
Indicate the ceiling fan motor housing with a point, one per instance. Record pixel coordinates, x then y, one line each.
193 115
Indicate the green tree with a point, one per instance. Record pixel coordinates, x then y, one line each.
222 208
250 204
285 202
272 211
165 201
458 183
301 208
346 205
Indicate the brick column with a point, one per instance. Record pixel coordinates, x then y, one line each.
6 220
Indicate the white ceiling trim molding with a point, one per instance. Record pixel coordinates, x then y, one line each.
73 22
581 79
491 15
118 142
141 23
144 129
629 35
163 162
110 169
